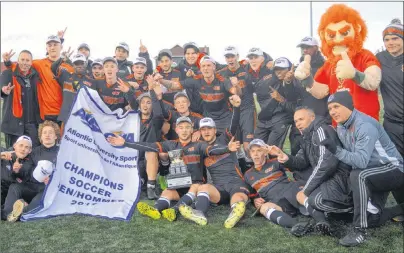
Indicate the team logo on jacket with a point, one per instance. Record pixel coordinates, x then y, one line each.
88 119
216 88
116 93
191 149
128 137
269 169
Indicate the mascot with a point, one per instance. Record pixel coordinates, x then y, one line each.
348 67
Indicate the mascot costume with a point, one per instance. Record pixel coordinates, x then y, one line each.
348 67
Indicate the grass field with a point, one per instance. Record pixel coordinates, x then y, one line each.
88 234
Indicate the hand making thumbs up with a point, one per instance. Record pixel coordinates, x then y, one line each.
345 69
303 69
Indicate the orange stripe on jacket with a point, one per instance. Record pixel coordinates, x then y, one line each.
49 91
17 102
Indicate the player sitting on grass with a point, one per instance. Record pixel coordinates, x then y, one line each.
277 195
193 155
228 185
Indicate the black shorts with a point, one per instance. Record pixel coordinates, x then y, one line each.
284 195
228 190
183 191
247 124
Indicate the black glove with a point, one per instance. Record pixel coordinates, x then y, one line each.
329 144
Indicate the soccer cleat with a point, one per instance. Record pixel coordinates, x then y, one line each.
18 208
323 227
194 215
399 218
169 214
302 228
148 210
151 193
354 238
236 214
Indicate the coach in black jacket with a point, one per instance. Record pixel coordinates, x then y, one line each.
327 188
21 108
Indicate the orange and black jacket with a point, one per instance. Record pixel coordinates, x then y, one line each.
21 105
70 83
49 92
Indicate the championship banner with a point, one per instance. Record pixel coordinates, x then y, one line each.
92 177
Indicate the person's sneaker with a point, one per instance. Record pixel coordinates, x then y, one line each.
148 210
194 215
399 218
323 227
18 208
151 192
169 214
302 228
354 238
237 212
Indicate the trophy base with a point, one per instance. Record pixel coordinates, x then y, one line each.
178 181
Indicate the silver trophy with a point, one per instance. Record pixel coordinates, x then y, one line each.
178 176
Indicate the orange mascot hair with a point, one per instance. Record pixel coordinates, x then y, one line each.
337 13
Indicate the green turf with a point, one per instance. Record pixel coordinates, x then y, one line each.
87 234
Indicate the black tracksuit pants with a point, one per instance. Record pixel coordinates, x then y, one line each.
26 191
395 131
374 184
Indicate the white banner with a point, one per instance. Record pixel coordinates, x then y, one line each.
92 177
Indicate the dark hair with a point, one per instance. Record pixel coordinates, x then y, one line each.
163 54
305 108
26 51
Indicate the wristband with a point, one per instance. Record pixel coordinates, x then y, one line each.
359 77
308 82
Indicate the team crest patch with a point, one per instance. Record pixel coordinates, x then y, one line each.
216 88
269 169
330 98
191 149
267 77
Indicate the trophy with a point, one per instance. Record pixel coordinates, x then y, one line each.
178 176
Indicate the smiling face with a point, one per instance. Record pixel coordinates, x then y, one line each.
231 60
139 70
22 148
80 67
165 63
121 54
181 104
97 70
24 61
146 106
191 56
281 73
393 44
255 61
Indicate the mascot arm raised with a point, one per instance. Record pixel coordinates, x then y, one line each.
303 74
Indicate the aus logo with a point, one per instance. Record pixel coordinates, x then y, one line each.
88 119
128 137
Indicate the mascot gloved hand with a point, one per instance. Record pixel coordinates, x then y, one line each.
345 69
303 69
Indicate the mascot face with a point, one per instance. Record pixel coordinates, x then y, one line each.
341 29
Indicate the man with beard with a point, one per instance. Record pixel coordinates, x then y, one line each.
392 87
193 155
214 90
19 89
348 67
71 83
